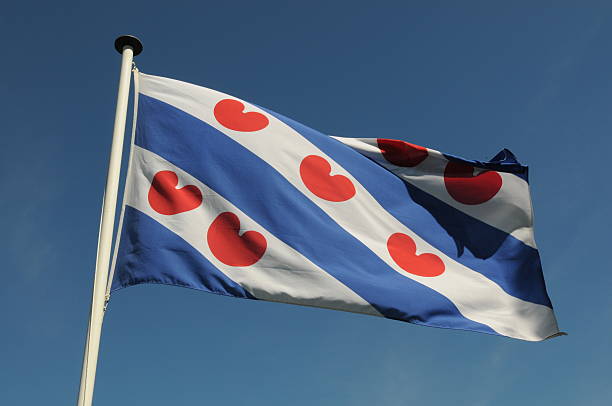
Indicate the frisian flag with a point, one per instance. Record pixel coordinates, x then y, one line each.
226 197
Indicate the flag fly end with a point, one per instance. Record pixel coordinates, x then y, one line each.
559 334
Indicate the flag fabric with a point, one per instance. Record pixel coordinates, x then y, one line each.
230 198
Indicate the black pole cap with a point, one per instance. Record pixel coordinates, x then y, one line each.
130 41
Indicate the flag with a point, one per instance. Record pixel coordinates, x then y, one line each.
227 197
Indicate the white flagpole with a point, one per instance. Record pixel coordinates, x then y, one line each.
128 47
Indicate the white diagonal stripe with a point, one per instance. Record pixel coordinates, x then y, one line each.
509 210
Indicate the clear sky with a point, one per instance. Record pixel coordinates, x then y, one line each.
467 78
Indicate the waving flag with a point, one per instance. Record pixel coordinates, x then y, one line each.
226 197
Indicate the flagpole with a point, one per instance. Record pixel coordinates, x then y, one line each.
128 46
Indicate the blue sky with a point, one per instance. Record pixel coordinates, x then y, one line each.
467 79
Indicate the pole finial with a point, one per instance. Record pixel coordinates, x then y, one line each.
128 40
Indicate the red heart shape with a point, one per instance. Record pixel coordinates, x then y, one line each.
231 248
403 251
315 173
402 153
165 198
230 114
466 188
